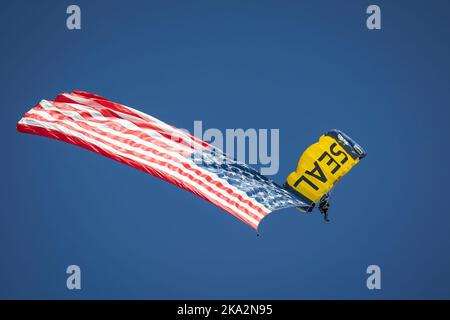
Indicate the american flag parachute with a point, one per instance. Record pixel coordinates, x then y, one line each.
141 141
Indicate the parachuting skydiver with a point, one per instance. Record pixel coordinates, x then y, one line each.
320 167
144 142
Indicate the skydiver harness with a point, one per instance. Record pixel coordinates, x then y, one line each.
324 203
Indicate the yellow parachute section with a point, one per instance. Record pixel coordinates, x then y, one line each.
322 165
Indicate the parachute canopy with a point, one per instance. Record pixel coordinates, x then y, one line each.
322 165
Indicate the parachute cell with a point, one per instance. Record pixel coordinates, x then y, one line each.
322 165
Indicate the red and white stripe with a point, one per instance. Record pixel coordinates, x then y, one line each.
138 140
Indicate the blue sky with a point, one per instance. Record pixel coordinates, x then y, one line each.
303 67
